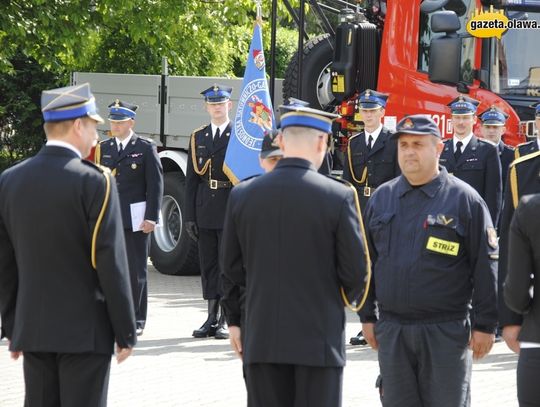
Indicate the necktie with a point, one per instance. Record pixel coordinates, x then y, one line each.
458 151
217 135
370 142
120 149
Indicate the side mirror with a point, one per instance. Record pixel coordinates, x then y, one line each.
445 51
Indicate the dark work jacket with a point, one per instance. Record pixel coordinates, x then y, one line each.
480 167
51 298
291 239
138 173
370 169
524 261
204 205
523 179
431 254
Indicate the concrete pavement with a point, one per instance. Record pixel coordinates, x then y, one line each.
170 368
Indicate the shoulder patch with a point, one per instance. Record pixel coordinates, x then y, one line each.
525 158
525 143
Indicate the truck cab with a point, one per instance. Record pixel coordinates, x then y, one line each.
423 57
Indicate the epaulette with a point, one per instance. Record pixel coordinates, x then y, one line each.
525 143
524 158
147 140
340 180
106 140
353 137
198 129
490 143
251 177
447 140
98 167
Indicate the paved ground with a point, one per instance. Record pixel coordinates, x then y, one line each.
170 368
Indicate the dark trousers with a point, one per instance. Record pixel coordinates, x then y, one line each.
425 365
137 253
280 385
528 371
209 244
66 379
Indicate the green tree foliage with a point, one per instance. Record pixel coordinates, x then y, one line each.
43 41
21 130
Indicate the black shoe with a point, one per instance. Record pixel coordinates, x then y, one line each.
358 339
210 325
222 332
207 329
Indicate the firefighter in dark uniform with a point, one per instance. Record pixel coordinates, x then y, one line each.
64 283
523 179
371 157
287 248
492 129
207 191
534 145
473 160
432 245
136 166
524 273
371 154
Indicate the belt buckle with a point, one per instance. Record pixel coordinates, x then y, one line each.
367 191
213 184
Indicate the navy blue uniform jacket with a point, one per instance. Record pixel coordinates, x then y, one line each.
291 239
480 167
430 253
51 298
524 261
373 168
204 205
523 179
139 175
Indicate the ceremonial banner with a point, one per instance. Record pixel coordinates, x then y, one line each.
253 117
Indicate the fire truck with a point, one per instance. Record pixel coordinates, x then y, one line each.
420 53
417 51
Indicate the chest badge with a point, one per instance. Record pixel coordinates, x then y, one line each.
134 166
442 246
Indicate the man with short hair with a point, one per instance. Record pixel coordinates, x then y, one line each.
493 127
471 159
432 245
135 163
64 285
371 157
207 192
292 241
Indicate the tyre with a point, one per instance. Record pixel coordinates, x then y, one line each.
172 251
316 82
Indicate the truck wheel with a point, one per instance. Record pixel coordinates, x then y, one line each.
316 79
172 251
